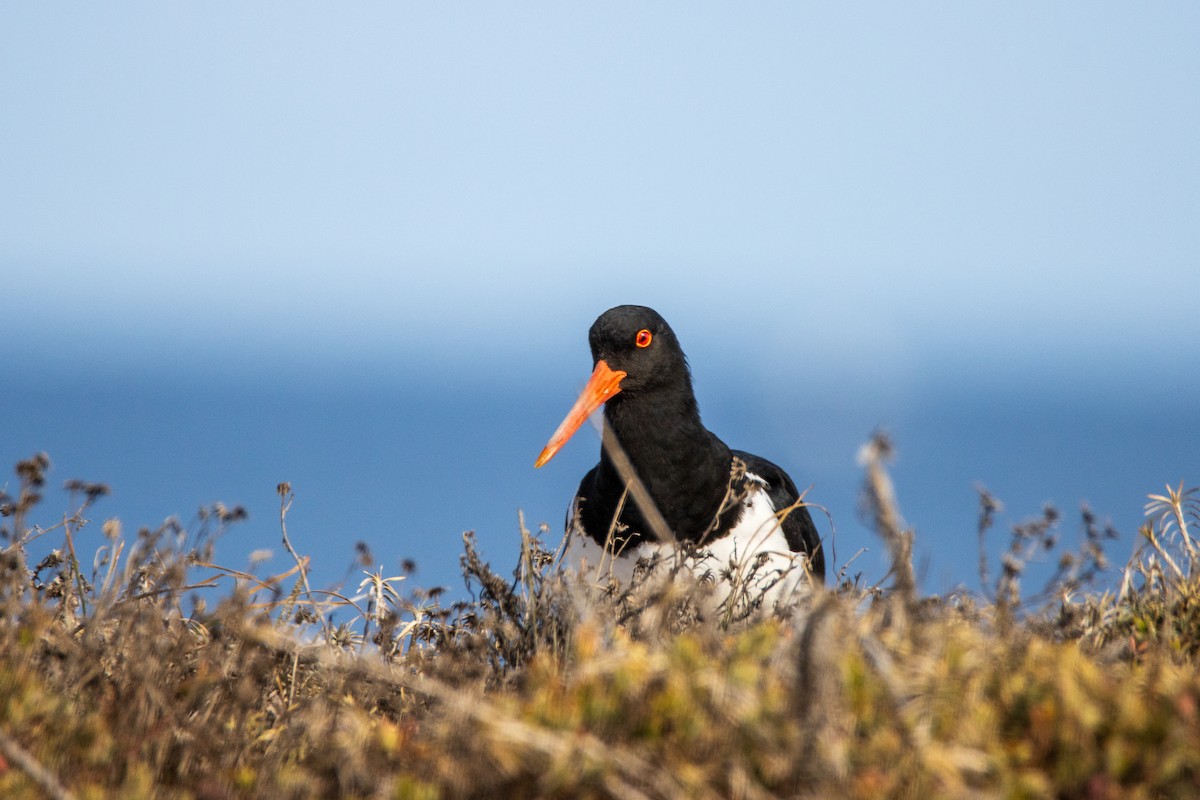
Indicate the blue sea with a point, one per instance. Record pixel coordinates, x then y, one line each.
407 460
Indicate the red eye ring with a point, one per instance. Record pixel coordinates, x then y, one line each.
644 338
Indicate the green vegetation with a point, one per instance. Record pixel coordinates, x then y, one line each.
142 669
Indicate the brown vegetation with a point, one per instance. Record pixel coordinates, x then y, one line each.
116 680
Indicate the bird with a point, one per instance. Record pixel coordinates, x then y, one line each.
693 492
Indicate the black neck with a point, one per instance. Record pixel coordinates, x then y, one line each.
684 467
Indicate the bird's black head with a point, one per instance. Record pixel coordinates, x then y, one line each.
634 352
640 343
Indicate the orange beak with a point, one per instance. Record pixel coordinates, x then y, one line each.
604 383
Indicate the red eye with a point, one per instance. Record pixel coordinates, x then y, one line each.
644 337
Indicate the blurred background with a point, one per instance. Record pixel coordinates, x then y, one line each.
358 248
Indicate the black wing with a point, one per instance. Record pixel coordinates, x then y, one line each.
798 527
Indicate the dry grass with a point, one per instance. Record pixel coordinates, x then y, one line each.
116 682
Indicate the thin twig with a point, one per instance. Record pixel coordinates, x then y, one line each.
881 502
637 489
78 574
286 496
24 760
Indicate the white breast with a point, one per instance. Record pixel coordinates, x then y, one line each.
751 561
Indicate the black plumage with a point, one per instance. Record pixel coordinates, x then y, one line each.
689 473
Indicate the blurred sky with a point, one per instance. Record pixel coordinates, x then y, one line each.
358 247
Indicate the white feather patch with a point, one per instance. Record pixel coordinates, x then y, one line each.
752 558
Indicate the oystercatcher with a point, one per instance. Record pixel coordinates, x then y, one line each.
691 491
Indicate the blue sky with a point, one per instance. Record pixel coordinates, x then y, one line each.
876 209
